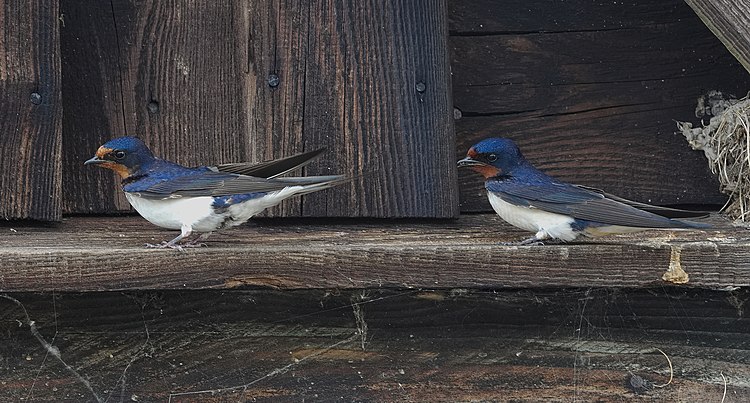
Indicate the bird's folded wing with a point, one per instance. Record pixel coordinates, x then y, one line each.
579 203
210 183
271 169
660 210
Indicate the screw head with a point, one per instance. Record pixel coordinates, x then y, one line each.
273 80
153 107
421 87
36 99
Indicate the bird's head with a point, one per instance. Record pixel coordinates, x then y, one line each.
493 157
124 155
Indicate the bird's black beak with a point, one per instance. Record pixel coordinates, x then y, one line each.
93 160
469 162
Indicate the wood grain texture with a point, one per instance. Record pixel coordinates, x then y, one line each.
92 100
590 92
376 345
729 20
97 254
207 83
30 111
275 34
378 89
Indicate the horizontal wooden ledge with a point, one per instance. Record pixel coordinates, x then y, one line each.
107 253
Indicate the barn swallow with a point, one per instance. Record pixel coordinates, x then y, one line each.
203 199
529 199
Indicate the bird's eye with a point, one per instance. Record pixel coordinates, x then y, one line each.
492 158
120 155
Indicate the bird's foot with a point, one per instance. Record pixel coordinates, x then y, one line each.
195 243
533 241
198 241
165 245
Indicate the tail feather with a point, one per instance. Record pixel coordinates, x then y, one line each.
271 169
667 212
695 225
312 184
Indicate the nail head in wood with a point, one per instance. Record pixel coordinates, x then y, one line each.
421 87
36 99
153 107
273 80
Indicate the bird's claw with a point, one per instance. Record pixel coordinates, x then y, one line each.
524 242
164 245
194 244
180 247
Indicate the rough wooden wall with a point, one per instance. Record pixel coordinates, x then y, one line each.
590 90
30 111
215 82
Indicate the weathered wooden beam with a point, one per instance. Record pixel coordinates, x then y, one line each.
375 345
94 254
30 111
729 20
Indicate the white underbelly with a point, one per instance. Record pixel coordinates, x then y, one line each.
195 212
533 219
174 213
198 213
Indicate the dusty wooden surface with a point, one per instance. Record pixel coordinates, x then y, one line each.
729 20
215 82
30 111
107 253
590 90
375 345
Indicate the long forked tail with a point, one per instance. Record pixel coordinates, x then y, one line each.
271 169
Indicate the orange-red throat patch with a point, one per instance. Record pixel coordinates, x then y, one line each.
119 168
488 171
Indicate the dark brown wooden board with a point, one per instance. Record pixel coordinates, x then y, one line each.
376 345
96 254
92 101
30 111
378 85
729 20
590 90
207 83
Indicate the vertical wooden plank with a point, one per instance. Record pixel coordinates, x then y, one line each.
276 58
729 20
92 99
30 111
377 94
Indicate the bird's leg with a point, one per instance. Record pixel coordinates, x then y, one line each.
536 240
185 231
198 241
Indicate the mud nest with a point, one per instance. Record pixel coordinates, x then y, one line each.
726 142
